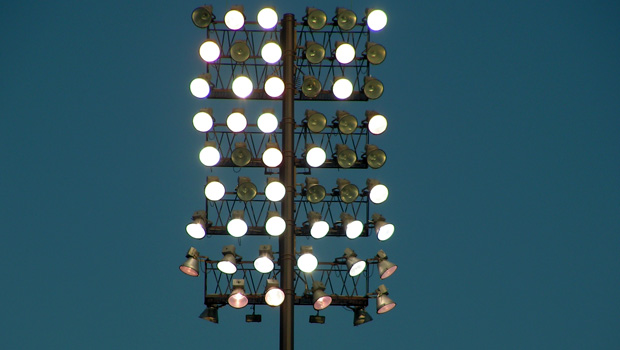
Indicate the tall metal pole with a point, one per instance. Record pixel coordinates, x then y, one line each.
287 176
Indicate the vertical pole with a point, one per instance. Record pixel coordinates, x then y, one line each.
287 176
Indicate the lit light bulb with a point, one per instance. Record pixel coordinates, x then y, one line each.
264 264
376 20
315 156
275 226
319 229
271 52
272 157
342 88
354 229
345 53
199 87
236 121
377 124
274 296
210 51
307 262
203 121
234 19
267 122
242 86
209 156
275 191
274 87
267 18
214 191
378 194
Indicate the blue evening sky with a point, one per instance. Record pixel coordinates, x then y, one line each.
503 164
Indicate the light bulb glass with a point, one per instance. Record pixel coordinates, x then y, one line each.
319 229
242 86
315 157
345 53
214 191
274 297
271 52
274 87
237 227
376 20
209 156
203 121
236 122
322 302
275 191
267 18
263 264
357 268
378 194
267 122
234 19
200 88
275 226
377 124
272 157
342 88
195 230
354 229
385 232
209 51
227 267
238 300
307 262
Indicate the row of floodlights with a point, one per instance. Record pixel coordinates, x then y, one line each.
272 157
275 225
267 18
271 52
306 262
242 86
315 121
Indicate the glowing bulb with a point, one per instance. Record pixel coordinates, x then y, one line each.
307 262
237 227
203 121
214 191
195 230
236 122
272 157
354 229
267 18
345 53
342 88
271 52
315 156
385 232
378 194
274 87
275 226
200 87
376 20
209 156
319 229
377 124
234 19
263 264
274 297
242 86
275 191
267 122
209 51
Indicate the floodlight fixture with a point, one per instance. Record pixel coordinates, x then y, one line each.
275 225
264 262
347 191
376 19
345 156
275 190
311 86
210 314
346 19
271 52
347 123
240 51
198 227
315 155
355 265
342 88
237 298
236 120
202 16
272 157
191 266
242 86
234 18
384 303
246 190
377 123
214 190
201 86
345 52
315 53
318 227
274 296
375 157
314 192
360 316
386 268
274 86
267 18
373 88
203 120
209 155
307 262
375 53
316 19
241 155
383 229
320 299
210 51
377 192
228 264
352 228
237 227
315 121
267 122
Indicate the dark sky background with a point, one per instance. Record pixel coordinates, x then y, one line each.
503 165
